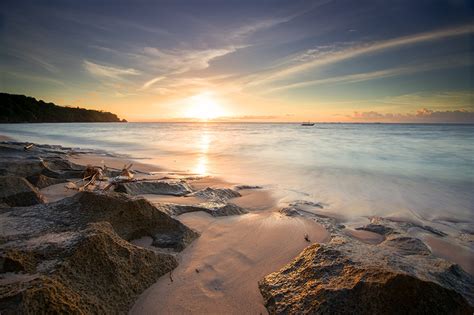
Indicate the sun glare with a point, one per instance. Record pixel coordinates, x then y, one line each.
204 107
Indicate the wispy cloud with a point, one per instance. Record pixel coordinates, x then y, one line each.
149 83
108 71
392 72
316 57
178 61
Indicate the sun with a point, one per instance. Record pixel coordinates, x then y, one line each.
204 107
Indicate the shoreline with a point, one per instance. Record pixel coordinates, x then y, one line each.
221 269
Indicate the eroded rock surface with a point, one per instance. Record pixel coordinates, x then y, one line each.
396 276
18 192
219 195
215 209
174 188
92 271
73 256
325 279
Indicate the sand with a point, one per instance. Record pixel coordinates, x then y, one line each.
218 273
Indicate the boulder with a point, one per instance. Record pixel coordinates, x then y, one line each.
99 272
18 192
130 217
325 280
74 255
397 276
179 188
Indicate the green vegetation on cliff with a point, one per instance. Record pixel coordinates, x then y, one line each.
20 108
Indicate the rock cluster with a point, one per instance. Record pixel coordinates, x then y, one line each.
397 276
73 255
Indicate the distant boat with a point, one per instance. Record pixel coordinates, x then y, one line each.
307 124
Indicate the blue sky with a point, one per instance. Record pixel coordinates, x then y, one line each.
261 60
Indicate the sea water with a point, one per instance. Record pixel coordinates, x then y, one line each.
418 171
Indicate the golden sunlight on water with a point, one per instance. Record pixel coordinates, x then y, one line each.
202 160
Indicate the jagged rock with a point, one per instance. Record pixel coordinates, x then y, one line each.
50 161
398 275
42 181
220 195
130 217
154 187
408 246
213 208
300 207
290 211
385 226
18 192
99 273
326 280
74 256
376 228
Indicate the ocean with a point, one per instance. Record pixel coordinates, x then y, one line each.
414 171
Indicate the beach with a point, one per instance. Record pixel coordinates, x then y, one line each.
247 231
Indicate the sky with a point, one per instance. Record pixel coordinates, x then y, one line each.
348 61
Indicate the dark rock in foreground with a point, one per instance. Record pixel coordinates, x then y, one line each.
325 280
18 192
179 188
73 256
346 276
99 272
42 181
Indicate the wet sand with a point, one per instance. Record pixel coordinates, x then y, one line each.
218 273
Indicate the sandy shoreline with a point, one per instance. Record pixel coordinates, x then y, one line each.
219 271
231 254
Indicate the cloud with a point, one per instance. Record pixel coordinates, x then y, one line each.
108 71
172 62
422 115
183 60
392 72
326 55
151 82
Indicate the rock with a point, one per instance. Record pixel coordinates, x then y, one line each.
408 246
326 280
154 187
73 255
213 208
300 207
50 161
220 195
246 187
42 181
18 192
398 275
376 228
130 217
290 211
99 273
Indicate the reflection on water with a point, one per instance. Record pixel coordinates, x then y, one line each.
203 148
